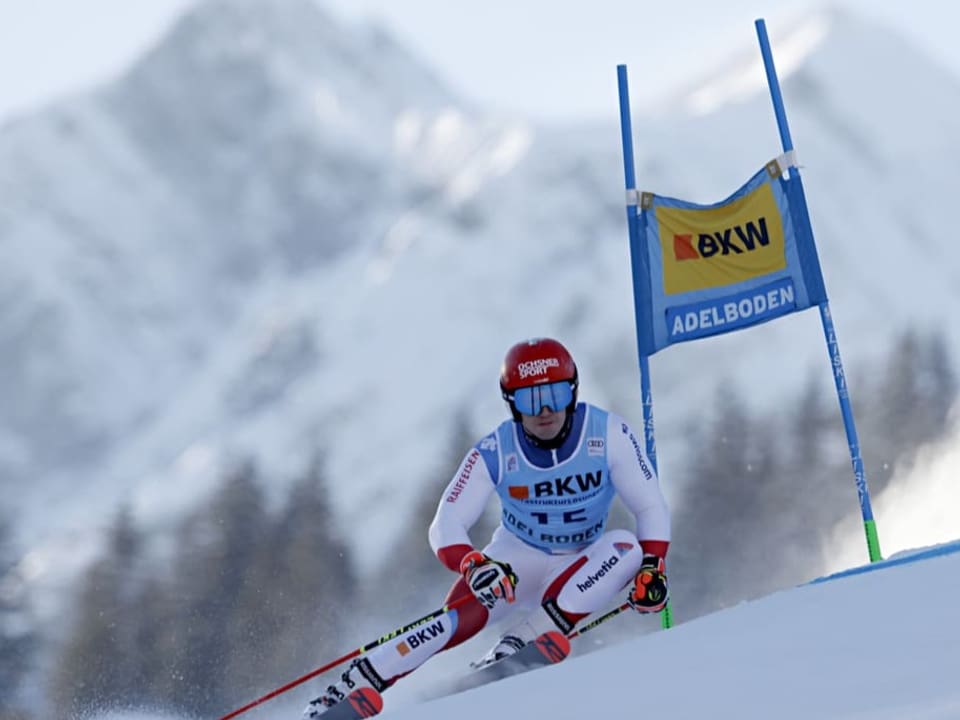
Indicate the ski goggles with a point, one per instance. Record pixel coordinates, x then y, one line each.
531 400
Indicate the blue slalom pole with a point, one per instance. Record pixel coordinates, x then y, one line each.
626 137
829 333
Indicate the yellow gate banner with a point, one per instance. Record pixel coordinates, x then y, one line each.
708 269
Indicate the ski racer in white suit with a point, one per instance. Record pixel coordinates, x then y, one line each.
556 467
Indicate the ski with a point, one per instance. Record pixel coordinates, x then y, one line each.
548 649
361 703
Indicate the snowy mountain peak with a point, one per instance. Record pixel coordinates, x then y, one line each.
242 56
842 50
191 247
744 76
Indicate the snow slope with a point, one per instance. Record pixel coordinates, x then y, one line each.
878 645
878 642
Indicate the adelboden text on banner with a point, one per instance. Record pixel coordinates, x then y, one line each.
703 270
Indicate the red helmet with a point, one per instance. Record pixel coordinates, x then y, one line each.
535 362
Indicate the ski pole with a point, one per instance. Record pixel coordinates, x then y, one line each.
349 656
598 621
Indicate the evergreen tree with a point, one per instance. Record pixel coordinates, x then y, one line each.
910 405
17 640
99 667
422 580
791 516
809 425
938 383
302 591
715 504
897 409
747 520
217 548
154 641
762 497
816 481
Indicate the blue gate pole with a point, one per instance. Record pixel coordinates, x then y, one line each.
829 333
626 136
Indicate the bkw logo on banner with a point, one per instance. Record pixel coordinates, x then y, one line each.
711 269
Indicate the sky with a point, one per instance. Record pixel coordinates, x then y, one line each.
544 60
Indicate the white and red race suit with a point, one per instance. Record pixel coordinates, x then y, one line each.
553 532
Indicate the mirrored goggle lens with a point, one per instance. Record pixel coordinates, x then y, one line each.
531 400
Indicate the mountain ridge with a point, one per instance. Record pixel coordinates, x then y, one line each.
172 310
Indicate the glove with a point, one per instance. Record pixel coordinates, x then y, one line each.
489 581
650 593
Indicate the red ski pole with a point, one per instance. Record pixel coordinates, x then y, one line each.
349 656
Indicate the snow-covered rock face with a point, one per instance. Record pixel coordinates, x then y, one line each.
274 121
277 235
257 135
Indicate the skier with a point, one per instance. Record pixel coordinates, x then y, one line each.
556 466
